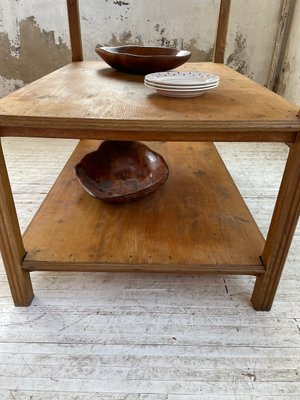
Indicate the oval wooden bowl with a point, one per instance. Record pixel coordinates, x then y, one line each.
143 60
121 171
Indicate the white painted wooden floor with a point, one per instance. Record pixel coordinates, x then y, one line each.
152 337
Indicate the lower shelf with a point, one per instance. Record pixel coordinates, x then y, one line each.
196 223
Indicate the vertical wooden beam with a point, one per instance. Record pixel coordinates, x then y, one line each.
75 32
282 228
286 18
222 31
11 243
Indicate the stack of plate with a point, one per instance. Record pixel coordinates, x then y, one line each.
181 84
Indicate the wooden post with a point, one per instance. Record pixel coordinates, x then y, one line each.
222 31
11 243
282 228
75 32
286 18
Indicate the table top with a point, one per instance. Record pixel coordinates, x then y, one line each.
90 95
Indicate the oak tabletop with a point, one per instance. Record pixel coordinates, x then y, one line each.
91 95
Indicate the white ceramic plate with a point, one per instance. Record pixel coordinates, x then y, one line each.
178 78
156 85
180 92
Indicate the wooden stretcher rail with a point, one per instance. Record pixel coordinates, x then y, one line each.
198 136
255 270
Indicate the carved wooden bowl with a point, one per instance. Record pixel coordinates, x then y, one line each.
121 171
142 60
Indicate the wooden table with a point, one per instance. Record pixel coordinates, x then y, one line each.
197 223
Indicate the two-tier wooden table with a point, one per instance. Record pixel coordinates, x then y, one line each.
196 223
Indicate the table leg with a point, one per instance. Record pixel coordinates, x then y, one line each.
282 228
11 243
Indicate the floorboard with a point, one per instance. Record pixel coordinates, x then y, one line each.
113 336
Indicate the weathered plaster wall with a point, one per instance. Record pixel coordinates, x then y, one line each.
34 34
251 37
34 40
289 79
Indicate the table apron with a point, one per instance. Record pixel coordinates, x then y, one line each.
209 135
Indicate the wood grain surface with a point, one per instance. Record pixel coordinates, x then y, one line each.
197 222
89 95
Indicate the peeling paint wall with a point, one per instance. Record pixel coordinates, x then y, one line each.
34 36
251 37
174 23
289 79
34 41
23 61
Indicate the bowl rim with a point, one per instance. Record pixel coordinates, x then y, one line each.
180 53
